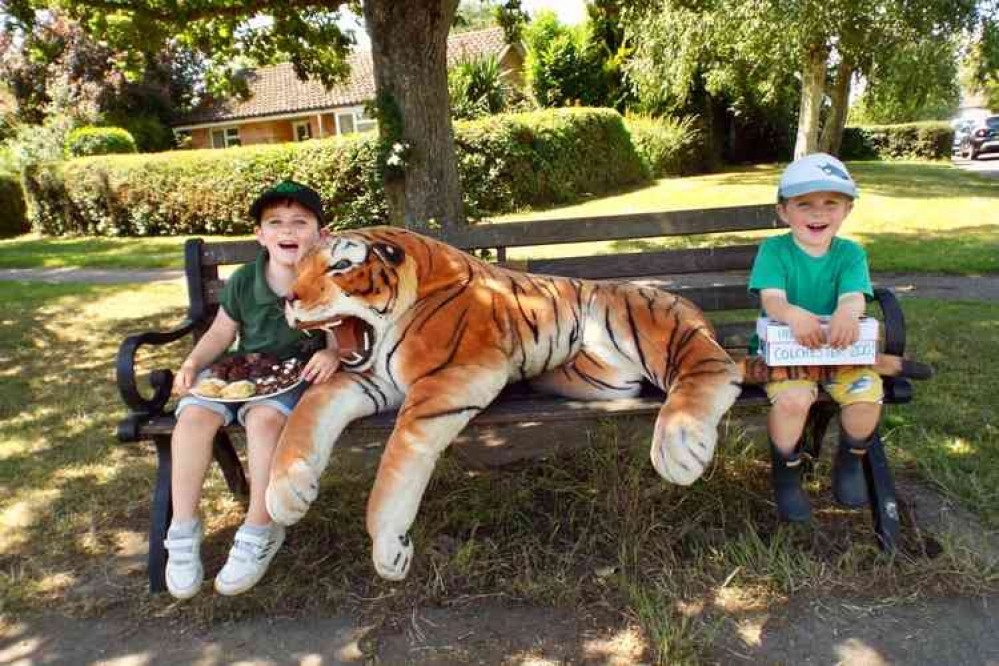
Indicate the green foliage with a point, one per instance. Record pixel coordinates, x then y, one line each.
476 89
565 67
13 221
668 146
908 141
505 162
85 141
918 81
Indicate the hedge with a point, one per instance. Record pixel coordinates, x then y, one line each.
13 221
908 141
668 146
506 162
84 141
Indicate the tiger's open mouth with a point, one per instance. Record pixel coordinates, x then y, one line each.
355 338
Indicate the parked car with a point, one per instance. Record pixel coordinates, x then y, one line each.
983 138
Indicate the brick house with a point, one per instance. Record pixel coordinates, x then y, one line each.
283 108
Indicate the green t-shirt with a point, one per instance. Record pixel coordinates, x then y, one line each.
251 303
812 283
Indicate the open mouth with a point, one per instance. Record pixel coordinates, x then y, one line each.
288 245
355 338
817 227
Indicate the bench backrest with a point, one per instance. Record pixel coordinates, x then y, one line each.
204 259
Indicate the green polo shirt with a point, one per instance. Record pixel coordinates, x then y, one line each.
251 303
812 283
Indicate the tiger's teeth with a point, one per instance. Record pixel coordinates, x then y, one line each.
338 322
367 340
355 357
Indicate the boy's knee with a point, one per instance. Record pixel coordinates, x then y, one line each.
200 417
264 417
794 401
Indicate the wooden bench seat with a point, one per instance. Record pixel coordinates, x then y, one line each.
149 419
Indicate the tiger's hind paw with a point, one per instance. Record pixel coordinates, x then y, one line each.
392 555
289 495
682 448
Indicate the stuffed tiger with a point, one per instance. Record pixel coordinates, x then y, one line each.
438 333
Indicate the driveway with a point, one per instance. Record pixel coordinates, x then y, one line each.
987 165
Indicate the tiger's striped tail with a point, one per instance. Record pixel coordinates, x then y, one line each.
756 372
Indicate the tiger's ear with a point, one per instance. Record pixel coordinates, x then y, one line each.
390 254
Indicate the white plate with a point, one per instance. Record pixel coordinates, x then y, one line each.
252 398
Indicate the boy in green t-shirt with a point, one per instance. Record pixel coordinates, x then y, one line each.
288 218
800 276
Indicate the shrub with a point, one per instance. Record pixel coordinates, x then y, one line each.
13 220
505 162
668 146
908 141
85 141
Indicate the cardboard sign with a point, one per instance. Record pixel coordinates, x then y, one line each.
778 348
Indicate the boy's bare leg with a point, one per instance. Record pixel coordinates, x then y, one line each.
860 419
787 417
191 453
263 429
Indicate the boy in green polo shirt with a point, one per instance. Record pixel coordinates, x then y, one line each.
800 276
288 218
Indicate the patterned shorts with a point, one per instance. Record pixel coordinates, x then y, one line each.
850 385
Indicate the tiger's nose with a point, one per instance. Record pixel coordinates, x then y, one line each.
290 298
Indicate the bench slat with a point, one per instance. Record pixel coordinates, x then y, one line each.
642 264
614 227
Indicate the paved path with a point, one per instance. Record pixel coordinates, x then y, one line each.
987 165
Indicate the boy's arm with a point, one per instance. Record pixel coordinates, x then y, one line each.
805 326
216 340
844 325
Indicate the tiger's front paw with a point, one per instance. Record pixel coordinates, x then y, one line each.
682 448
291 492
392 554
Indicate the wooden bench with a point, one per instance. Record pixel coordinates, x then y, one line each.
727 267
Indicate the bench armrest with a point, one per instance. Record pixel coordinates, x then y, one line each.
161 380
894 321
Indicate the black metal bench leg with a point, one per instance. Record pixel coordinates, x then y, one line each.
819 417
228 460
161 515
881 489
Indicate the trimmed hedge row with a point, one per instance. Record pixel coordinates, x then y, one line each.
13 221
907 141
506 162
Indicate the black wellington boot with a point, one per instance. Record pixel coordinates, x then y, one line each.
785 476
849 484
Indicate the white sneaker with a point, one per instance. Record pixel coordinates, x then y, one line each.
249 558
184 573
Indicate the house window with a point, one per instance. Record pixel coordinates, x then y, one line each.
303 130
226 138
353 120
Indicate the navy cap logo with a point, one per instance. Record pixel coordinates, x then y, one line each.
832 170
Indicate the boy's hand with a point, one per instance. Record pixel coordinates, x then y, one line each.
184 378
806 328
844 328
321 366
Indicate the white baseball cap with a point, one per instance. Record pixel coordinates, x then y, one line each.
817 172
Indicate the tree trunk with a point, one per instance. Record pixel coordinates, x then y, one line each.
832 132
409 54
813 84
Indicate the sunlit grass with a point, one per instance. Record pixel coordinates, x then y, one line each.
904 209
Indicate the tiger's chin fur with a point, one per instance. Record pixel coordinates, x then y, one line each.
437 333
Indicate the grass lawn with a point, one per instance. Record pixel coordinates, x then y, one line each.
596 529
905 208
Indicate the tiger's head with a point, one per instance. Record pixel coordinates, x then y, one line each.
356 285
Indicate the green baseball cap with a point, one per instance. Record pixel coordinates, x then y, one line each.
289 190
